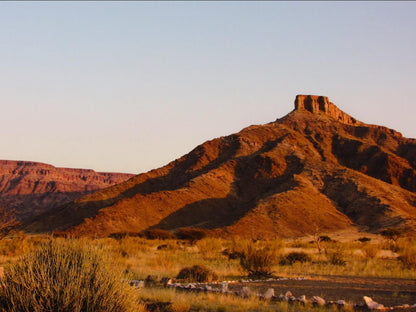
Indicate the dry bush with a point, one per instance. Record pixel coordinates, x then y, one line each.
190 234
197 273
336 255
209 247
157 234
364 239
258 258
407 253
293 257
370 251
64 275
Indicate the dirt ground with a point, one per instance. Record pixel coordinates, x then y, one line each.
390 292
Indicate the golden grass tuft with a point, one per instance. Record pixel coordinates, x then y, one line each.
63 275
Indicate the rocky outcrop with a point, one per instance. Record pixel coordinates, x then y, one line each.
321 104
32 188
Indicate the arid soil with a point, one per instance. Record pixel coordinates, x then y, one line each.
315 167
390 292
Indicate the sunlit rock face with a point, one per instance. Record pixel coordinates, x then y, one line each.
321 104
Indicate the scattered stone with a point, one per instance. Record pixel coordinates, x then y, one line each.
207 288
373 305
331 304
302 299
166 281
341 302
190 286
137 284
245 292
224 287
151 280
283 298
162 247
316 300
288 294
269 294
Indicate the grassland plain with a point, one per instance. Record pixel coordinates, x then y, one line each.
376 261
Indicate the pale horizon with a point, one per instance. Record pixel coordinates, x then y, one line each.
130 86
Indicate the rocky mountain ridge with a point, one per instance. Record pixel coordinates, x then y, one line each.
315 167
33 188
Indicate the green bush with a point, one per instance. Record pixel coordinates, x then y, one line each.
197 273
63 276
293 257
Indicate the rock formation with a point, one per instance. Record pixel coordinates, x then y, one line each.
32 188
321 104
317 166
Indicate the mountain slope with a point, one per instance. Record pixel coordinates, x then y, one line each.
315 167
32 188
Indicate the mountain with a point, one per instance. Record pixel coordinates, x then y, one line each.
317 167
31 188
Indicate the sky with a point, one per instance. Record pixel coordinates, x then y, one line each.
131 86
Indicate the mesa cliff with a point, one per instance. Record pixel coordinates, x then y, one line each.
321 104
32 188
315 167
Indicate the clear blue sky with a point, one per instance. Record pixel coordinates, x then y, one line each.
130 86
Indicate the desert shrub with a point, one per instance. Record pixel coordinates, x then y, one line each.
64 275
190 234
197 273
258 258
122 235
407 253
157 234
209 247
364 239
293 257
370 251
232 254
325 238
391 234
15 245
336 256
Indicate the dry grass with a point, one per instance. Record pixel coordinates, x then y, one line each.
64 275
141 257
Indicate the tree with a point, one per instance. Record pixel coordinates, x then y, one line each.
8 221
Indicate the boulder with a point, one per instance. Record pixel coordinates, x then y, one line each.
373 305
224 287
245 292
316 300
269 294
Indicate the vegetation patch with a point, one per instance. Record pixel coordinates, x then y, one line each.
197 273
293 257
64 275
190 234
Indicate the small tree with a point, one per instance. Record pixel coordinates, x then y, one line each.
318 239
